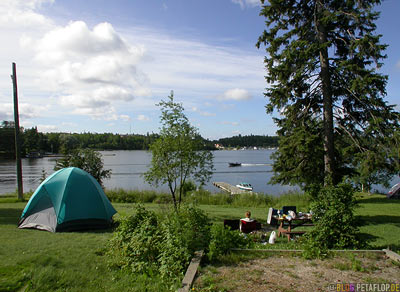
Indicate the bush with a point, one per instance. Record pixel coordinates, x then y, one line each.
87 159
163 244
223 240
188 186
136 196
183 233
134 244
334 220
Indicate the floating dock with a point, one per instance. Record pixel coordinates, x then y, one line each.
233 190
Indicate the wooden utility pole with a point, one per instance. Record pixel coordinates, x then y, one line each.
17 138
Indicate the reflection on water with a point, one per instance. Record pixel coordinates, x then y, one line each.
128 168
32 172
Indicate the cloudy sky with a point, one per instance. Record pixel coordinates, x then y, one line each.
101 66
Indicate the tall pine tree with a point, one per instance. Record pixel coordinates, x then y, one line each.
323 59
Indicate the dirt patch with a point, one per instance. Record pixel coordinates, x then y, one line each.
289 273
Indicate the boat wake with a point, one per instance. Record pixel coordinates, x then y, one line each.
256 164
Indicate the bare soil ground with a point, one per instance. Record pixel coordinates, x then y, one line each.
292 273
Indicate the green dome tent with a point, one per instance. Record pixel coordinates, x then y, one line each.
69 199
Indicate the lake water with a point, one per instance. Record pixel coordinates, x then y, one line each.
128 167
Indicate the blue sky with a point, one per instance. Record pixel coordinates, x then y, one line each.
101 66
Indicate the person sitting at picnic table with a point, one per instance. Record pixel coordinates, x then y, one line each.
247 224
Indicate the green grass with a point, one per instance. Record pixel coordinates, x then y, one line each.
380 221
74 261
204 197
44 261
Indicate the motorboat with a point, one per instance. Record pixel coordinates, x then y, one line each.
394 192
233 164
245 186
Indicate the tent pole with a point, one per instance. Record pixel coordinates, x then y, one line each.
17 137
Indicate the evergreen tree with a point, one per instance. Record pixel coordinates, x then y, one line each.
7 139
322 61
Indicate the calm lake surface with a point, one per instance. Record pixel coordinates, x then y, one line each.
128 167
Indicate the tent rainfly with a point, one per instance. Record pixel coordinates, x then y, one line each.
69 199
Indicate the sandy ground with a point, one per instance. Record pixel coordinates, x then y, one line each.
289 273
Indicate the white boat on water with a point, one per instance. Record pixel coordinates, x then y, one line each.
245 186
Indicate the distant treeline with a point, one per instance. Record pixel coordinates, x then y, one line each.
249 141
33 141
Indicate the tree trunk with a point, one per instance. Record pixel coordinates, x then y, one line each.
329 155
172 190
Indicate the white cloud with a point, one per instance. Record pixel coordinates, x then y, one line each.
69 124
142 91
22 13
229 123
235 94
47 128
190 66
102 71
125 118
143 118
207 114
202 113
247 3
25 111
92 68
76 40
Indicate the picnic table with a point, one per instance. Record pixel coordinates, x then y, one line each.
287 224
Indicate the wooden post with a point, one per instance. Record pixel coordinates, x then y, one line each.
17 138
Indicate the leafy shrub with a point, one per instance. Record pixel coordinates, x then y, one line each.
183 233
163 199
87 159
188 186
334 220
223 240
134 243
159 244
136 196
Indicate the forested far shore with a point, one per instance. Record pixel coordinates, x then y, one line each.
33 141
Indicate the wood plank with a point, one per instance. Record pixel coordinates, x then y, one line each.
301 250
391 254
233 190
191 272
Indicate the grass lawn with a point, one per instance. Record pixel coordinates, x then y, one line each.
44 261
380 221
